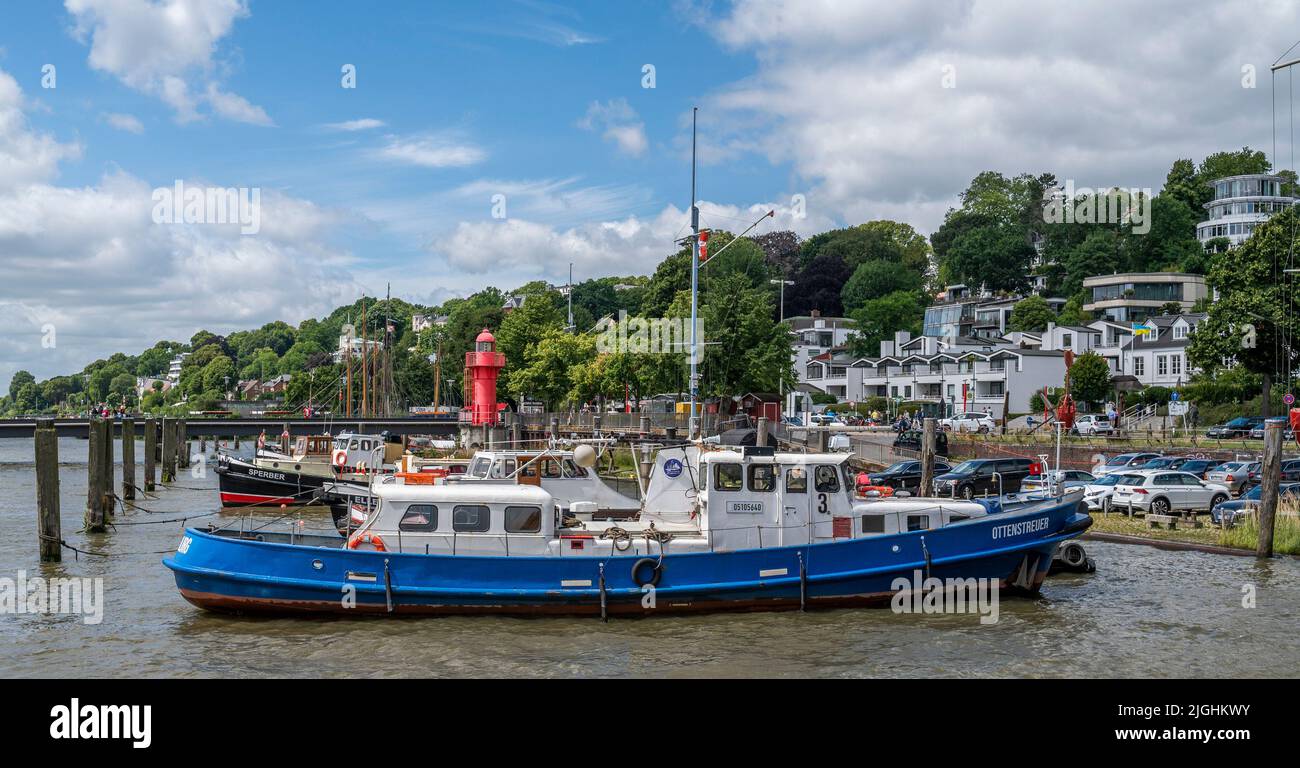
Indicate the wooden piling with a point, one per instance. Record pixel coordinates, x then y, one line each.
761 437
1270 476
108 482
516 438
94 518
128 459
168 450
150 453
183 444
927 458
48 523
555 427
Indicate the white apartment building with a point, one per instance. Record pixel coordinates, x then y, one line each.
954 375
813 336
1240 204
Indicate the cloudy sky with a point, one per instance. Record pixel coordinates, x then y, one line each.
494 143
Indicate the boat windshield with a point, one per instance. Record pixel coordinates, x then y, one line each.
479 467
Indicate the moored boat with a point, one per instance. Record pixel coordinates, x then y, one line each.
721 530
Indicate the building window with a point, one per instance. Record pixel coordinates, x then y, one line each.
1139 366
470 518
1066 340
952 390
1176 364
727 477
419 517
1180 331
1162 365
523 519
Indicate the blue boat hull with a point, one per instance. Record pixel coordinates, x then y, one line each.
226 573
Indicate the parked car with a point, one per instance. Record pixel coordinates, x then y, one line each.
911 441
1069 478
1198 466
1098 494
980 477
824 419
1124 461
905 475
1257 432
970 421
1238 427
1290 472
1236 475
1159 492
1092 424
1249 501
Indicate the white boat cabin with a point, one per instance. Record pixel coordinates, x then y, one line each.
696 501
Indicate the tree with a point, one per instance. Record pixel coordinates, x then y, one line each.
874 279
1171 308
1098 254
525 326
1072 313
1090 378
878 319
747 350
818 287
1031 314
997 257
548 366
217 373
1258 311
781 250
20 379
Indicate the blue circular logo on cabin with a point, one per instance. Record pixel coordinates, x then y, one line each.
672 467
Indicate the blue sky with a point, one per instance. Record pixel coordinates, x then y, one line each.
830 112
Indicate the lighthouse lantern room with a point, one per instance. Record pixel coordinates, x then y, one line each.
482 366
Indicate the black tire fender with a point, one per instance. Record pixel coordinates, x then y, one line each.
656 571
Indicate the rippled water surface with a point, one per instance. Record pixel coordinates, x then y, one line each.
1144 613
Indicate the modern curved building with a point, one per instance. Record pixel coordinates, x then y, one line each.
1240 204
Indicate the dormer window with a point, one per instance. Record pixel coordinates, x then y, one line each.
1180 331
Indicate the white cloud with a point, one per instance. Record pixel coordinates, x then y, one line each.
91 262
524 249
124 122
431 151
25 157
852 97
363 124
234 107
156 46
618 123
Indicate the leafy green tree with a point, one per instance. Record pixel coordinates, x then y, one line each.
878 319
997 257
1072 313
1090 378
747 351
1031 314
1258 310
549 365
217 373
876 278
19 379
1098 254
525 326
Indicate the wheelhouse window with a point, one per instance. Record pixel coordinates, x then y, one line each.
470 518
727 477
419 517
873 523
762 477
796 480
573 470
523 519
918 522
550 468
827 478
479 467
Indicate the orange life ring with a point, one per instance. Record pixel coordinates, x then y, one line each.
883 490
366 537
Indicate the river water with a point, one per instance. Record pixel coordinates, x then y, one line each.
1144 613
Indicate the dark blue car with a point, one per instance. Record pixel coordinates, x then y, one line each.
1249 501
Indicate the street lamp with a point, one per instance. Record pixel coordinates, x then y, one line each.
783 284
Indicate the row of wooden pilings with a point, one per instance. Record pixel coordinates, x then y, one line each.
166 447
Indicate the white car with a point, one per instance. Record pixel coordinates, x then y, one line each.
1159 492
971 421
1097 494
1092 424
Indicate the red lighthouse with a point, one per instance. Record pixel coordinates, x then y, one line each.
482 366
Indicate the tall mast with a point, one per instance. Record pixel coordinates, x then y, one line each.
365 363
347 355
695 282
